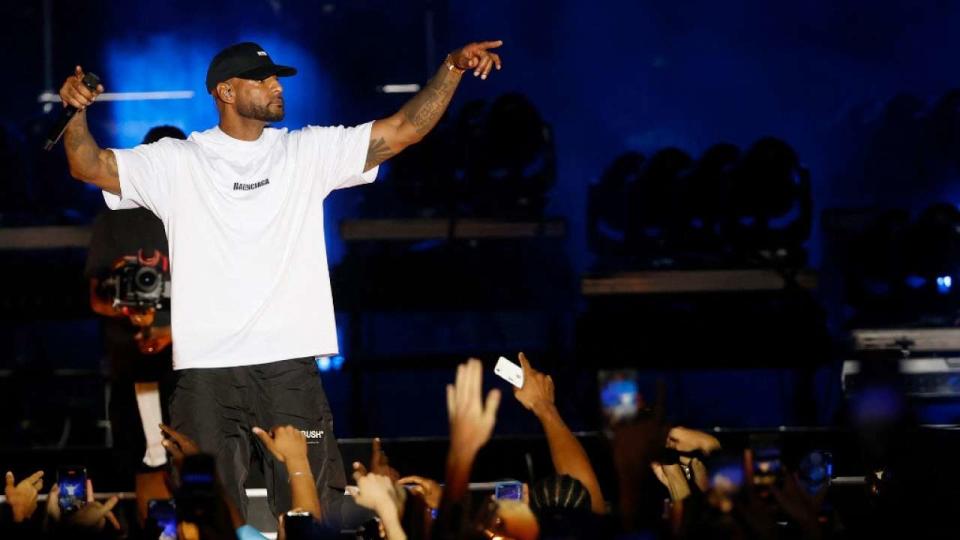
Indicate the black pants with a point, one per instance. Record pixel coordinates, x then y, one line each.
217 408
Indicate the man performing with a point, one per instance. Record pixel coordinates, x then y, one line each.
242 206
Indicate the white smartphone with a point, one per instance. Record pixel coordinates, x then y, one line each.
509 372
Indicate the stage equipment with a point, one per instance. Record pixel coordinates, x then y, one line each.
771 207
919 362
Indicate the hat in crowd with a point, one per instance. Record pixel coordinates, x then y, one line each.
244 60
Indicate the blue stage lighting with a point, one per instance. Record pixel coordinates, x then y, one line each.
943 284
323 363
330 363
174 62
915 281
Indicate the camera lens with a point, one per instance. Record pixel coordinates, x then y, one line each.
147 279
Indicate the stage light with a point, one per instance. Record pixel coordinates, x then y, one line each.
330 363
323 363
607 209
943 284
510 161
400 88
915 282
770 205
654 220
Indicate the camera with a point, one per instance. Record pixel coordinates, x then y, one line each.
141 282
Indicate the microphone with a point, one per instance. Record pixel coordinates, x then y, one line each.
56 130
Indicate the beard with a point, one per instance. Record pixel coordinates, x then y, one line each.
260 112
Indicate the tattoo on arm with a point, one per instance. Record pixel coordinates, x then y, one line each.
111 162
426 108
377 153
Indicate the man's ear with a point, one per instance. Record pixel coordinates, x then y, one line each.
225 92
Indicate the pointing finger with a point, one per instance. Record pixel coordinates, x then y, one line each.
525 364
490 44
268 442
108 506
113 520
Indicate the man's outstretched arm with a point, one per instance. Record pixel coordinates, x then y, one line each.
88 162
415 119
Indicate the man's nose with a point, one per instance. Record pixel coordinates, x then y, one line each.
275 85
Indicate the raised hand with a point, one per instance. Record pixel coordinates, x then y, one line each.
429 489
684 439
139 318
379 463
672 477
471 419
75 93
178 444
95 515
22 497
376 492
537 388
53 503
286 443
477 56
153 339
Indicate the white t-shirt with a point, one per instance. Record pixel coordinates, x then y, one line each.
244 220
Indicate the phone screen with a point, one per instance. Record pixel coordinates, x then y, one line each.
512 491
815 471
73 488
726 473
766 466
197 495
163 512
619 395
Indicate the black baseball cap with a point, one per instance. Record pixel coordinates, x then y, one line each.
245 60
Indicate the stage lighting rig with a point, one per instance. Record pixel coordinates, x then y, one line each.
771 206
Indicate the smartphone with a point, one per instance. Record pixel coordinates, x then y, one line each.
509 372
815 471
726 473
163 513
297 524
511 491
73 488
619 395
197 494
765 463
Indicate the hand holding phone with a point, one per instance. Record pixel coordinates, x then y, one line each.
163 513
509 372
619 395
763 460
536 392
510 491
73 488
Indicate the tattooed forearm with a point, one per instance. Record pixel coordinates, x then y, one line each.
377 153
426 108
87 161
82 150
